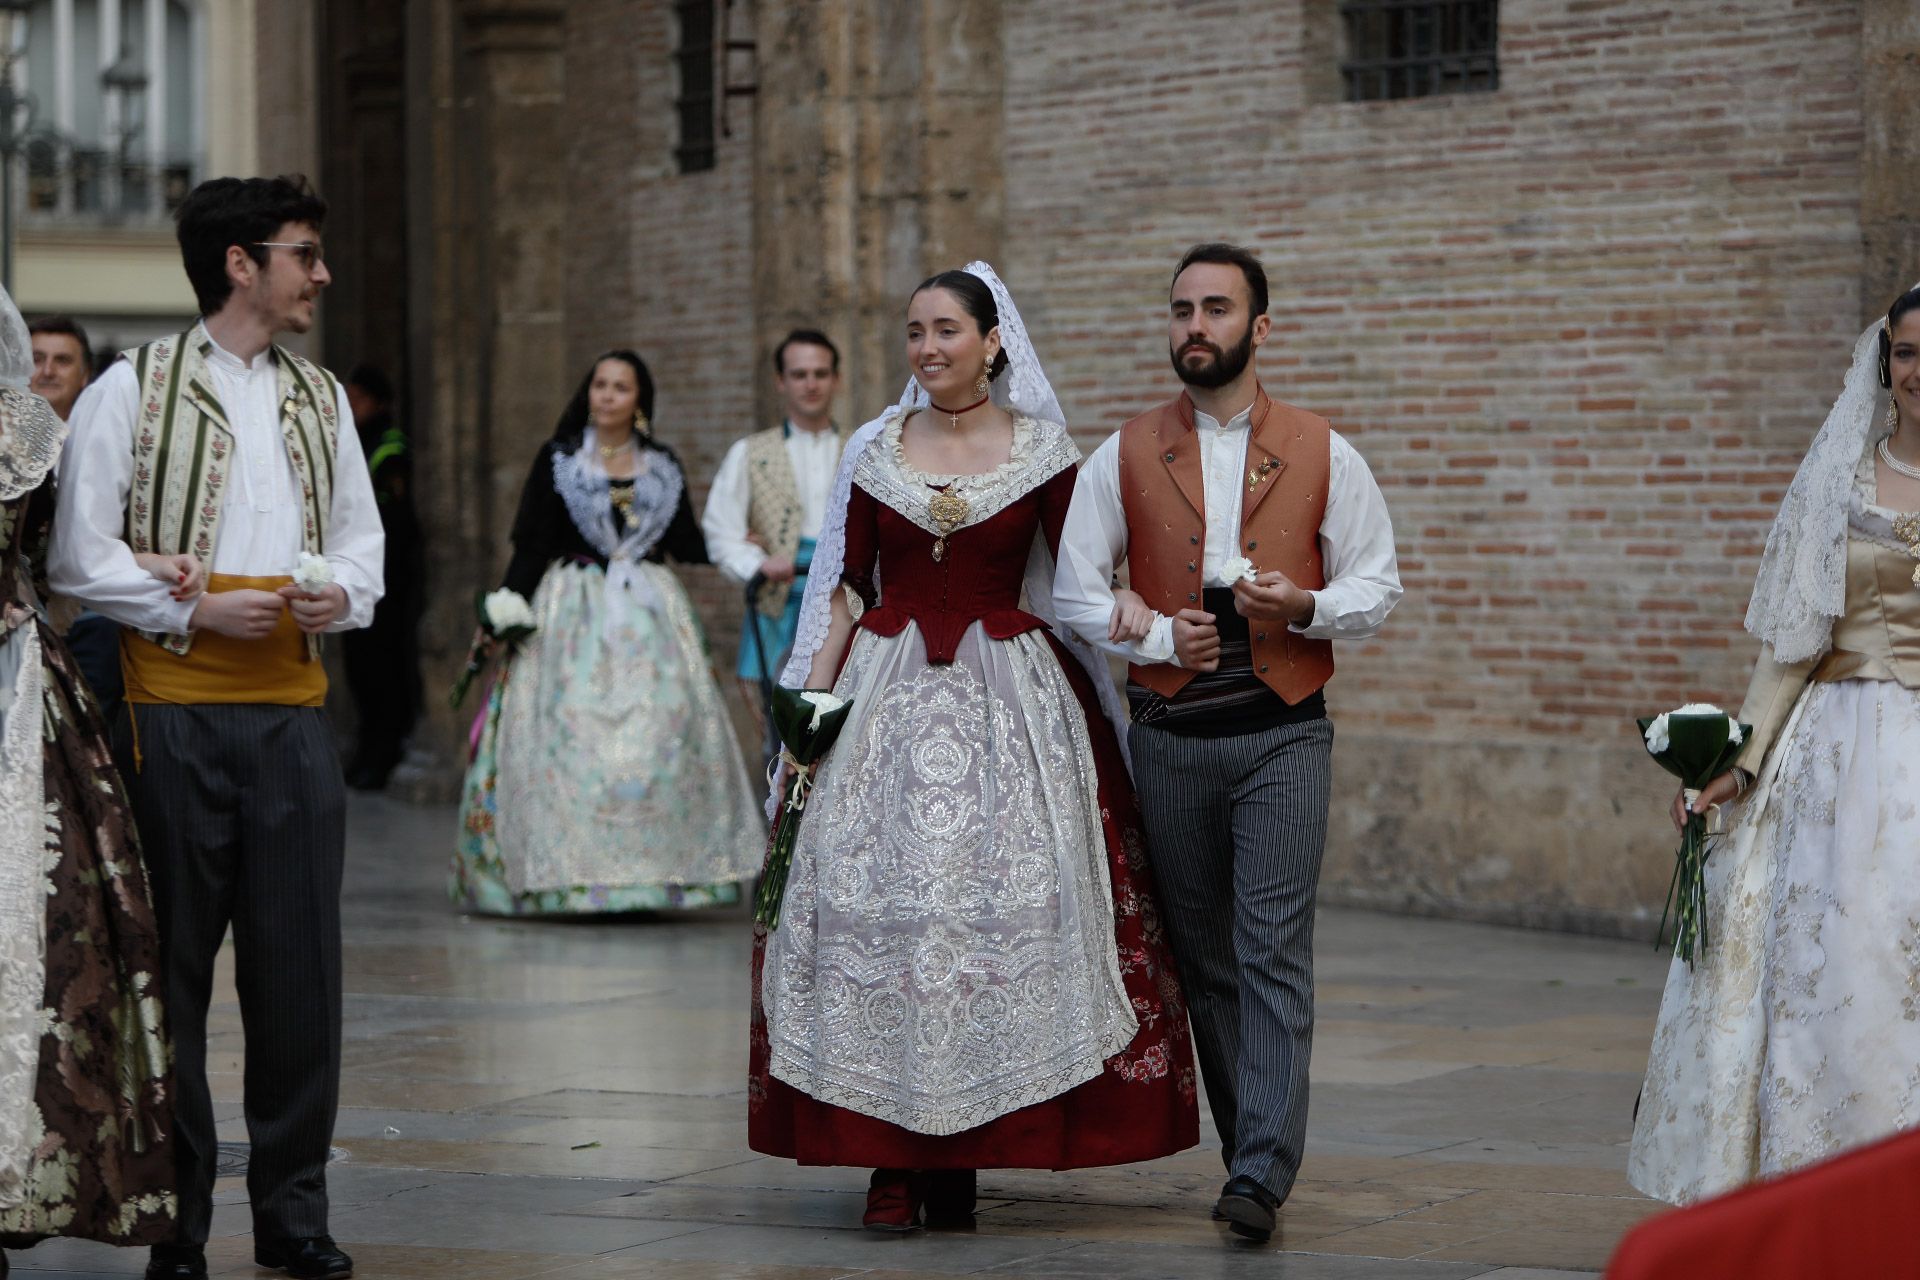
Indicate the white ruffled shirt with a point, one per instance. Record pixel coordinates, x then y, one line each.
1356 542
260 525
815 456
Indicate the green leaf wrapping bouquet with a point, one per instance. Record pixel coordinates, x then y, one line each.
505 616
1696 744
808 721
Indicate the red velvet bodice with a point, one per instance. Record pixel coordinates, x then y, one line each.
977 580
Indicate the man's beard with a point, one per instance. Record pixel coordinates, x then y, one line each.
1225 366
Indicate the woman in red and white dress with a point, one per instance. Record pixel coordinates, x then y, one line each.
969 970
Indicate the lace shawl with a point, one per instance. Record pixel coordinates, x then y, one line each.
584 486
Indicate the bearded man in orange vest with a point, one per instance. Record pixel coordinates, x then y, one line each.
1254 537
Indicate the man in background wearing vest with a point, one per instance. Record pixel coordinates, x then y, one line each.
765 507
1231 743
219 445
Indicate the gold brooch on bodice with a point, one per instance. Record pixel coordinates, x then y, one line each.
1907 529
947 510
1256 474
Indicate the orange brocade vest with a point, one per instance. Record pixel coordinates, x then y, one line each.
1164 496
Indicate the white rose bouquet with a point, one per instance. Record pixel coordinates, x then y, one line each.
505 617
1695 743
808 720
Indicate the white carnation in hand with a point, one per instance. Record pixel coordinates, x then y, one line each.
313 573
823 704
1657 740
504 610
1235 568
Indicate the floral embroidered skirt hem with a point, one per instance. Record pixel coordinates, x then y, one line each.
1140 1107
102 1166
1796 1035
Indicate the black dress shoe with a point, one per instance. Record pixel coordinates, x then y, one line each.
949 1199
314 1258
1247 1207
177 1262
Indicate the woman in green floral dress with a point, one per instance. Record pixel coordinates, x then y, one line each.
86 1133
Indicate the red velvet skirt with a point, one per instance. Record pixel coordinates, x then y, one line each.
1141 1107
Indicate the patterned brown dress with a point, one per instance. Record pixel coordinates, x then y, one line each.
93 1153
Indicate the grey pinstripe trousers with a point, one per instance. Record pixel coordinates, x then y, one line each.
242 818
1235 830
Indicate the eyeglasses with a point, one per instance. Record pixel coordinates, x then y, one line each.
306 250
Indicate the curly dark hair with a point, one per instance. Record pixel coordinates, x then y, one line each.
223 212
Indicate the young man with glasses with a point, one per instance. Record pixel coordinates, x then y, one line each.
221 445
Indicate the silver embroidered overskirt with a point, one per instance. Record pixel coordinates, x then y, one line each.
1797 1033
617 760
946 951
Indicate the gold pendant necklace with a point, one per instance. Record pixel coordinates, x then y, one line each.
948 510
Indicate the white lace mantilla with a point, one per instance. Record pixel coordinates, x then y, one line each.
946 953
23 904
1041 450
31 434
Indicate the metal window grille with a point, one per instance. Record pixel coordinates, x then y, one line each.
1419 48
695 59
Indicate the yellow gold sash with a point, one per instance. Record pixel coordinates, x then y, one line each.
275 670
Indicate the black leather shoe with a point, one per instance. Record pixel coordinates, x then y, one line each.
177 1262
950 1197
1248 1208
314 1258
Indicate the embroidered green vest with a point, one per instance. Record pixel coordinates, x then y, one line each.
182 444
773 507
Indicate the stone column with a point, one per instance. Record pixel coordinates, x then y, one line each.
877 161
1890 156
486 228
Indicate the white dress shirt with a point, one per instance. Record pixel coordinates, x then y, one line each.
815 456
261 520
1356 542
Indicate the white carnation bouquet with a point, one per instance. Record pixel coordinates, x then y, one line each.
506 618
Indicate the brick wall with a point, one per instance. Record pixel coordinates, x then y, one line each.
1581 329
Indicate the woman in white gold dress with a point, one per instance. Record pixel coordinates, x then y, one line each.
605 774
1796 1035
969 970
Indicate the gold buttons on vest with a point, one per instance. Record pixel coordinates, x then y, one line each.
1191 597
1263 668
1191 566
1252 545
1193 539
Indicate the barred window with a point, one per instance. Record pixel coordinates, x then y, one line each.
695 59
1418 48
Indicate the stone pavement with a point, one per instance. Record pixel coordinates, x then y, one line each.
565 1100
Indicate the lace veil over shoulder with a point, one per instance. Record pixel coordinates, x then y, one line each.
1801 586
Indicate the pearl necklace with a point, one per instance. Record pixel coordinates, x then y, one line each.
1907 469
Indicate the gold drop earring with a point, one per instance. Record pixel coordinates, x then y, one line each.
981 383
